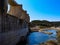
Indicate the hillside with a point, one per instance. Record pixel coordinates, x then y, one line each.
44 23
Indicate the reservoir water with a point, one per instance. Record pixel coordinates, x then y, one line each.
36 38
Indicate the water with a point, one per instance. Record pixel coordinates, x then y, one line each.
36 38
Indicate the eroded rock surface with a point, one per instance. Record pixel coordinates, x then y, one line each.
12 27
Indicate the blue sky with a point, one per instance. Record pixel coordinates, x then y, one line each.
42 9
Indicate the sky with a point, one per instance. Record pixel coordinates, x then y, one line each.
42 9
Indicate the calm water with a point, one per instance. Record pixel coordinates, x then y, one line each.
36 38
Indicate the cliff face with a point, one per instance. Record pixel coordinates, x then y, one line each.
11 23
12 26
15 11
19 12
13 3
3 10
25 16
11 30
3 7
15 18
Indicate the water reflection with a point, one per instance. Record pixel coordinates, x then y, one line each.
39 37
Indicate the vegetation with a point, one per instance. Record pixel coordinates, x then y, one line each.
44 23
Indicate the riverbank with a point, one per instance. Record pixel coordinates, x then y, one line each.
40 37
38 29
45 30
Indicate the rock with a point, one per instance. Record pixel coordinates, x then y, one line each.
11 26
58 36
47 32
17 10
50 42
